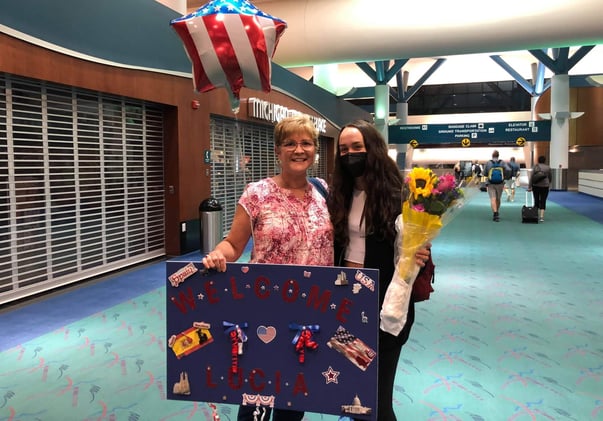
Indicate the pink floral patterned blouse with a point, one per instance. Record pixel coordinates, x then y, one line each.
285 228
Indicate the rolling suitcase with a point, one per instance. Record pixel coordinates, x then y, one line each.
529 214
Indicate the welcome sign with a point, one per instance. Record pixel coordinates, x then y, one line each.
281 336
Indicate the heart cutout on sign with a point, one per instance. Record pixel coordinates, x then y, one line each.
266 334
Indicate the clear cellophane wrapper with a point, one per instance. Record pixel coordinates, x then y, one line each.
414 230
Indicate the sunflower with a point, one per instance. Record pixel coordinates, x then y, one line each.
420 182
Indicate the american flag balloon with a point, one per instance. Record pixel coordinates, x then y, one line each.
230 44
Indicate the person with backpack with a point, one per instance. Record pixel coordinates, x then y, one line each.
512 180
495 171
477 170
539 185
458 172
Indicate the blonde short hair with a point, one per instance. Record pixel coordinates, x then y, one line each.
295 124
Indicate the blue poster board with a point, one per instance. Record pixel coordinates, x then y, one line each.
284 336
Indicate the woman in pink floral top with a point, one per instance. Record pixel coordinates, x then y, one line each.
286 216
288 229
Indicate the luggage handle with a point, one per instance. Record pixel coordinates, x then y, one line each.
528 195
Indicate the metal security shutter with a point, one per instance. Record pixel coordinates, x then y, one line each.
81 185
242 152
319 169
6 208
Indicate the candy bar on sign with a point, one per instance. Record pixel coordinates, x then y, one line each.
178 277
365 280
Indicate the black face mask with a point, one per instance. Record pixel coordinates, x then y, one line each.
354 163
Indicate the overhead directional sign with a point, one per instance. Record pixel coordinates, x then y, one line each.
511 133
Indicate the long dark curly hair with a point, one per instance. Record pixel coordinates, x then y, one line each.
383 183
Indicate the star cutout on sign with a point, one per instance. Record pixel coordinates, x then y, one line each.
200 296
331 375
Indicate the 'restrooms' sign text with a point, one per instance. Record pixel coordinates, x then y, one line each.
281 336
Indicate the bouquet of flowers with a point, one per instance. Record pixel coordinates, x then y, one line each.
432 202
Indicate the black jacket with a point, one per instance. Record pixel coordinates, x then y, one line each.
379 255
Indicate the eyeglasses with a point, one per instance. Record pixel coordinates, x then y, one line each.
290 145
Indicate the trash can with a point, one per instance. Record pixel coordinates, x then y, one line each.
559 179
210 224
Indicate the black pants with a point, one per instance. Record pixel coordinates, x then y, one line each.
246 414
540 196
390 348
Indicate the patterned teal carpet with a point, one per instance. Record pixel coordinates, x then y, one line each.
513 332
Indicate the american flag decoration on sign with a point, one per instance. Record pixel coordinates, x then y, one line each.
353 348
230 44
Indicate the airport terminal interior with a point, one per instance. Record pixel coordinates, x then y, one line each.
109 149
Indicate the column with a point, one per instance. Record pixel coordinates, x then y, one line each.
407 150
560 116
382 109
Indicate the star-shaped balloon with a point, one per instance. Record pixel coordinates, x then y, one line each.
230 44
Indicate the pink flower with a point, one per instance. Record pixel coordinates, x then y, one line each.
446 183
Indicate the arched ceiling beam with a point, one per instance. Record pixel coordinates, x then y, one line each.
518 78
540 86
368 70
561 63
382 73
396 68
435 66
